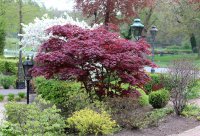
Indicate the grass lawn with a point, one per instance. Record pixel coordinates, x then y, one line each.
164 61
12 43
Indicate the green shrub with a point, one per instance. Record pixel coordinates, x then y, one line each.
128 114
87 121
124 109
39 119
156 115
144 98
8 129
159 99
156 79
18 98
21 95
7 81
8 66
191 110
1 97
68 96
173 47
195 91
11 97
152 118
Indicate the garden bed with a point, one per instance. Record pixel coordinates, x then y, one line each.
170 125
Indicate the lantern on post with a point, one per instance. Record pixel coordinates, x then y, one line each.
27 65
153 33
137 28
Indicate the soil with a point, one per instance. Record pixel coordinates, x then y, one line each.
170 125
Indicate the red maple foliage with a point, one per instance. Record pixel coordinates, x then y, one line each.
99 59
107 10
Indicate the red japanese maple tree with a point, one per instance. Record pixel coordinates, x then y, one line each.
99 59
107 10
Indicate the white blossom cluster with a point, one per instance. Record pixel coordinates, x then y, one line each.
34 34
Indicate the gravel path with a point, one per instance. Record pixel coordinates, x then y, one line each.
192 132
157 70
13 91
195 101
1 111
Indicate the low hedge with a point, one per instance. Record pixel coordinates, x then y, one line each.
7 81
8 66
173 51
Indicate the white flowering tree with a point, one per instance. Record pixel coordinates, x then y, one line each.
34 34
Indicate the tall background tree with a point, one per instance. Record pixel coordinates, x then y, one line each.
112 11
17 12
2 25
187 14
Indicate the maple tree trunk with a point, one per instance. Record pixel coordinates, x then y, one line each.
107 15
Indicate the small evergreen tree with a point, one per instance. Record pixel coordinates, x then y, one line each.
2 38
193 43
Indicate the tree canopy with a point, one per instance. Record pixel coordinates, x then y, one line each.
30 10
95 58
112 11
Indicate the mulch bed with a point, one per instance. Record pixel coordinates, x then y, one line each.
170 125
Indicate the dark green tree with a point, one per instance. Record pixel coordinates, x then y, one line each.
2 27
2 37
193 43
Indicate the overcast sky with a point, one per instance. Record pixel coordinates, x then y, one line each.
59 4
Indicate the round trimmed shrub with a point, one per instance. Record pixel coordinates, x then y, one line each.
159 99
87 121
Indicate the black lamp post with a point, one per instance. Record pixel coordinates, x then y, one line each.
153 32
137 28
27 65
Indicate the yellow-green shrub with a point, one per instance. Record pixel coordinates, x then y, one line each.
191 110
87 121
143 99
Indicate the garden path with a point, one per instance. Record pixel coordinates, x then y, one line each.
195 101
13 91
195 131
157 70
1 111
192 132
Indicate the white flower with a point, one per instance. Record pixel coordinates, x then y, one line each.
34 33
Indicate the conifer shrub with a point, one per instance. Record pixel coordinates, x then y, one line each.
159 99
